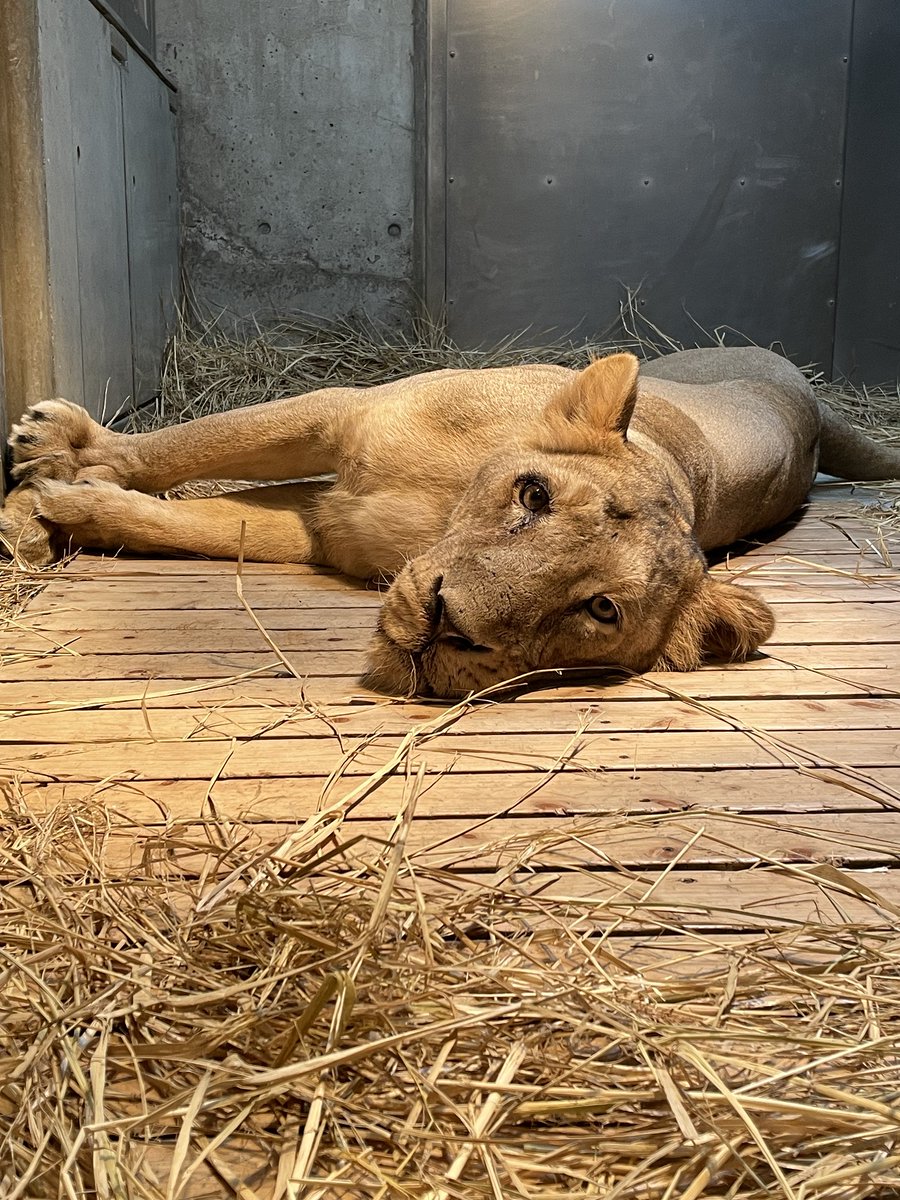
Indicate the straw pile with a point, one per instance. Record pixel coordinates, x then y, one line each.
210 369
322 1017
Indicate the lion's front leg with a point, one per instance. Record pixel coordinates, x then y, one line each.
57 441
283 439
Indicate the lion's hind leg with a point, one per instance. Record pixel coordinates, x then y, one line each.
272 524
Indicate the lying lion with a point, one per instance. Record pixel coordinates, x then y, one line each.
532 516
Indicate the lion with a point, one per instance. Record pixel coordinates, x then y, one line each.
529 517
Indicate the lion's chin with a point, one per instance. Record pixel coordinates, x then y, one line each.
392 670
439 675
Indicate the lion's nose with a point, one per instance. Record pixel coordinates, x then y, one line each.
450 627
434 607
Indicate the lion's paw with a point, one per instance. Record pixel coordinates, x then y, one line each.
78 508
53 440
91 512
24 535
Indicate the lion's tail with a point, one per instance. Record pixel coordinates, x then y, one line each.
849 454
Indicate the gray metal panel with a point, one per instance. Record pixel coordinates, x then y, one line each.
867 336
59 154
692 149
86 204
152 207
95 89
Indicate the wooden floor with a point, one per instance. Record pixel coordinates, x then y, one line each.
753 796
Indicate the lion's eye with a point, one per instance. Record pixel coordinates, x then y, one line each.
534 496
603 609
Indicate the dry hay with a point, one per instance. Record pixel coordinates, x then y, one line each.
211 368
322 1017
19 584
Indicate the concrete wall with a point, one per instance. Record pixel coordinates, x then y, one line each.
296 152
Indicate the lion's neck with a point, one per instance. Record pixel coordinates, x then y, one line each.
689 480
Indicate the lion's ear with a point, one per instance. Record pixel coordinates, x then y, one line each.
720 621
595 406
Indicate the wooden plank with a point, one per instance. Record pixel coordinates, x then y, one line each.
821 656
322 636
866 540
697 841
473 753
264 593
820 548
621 715
848 565
881 625
876 628
218 665
482 796
782 896
287 583
707 684
77 619
53 665
839 519
193 595
797 610
855 570
845 565
124 567
765 898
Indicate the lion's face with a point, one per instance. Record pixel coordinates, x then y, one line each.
569 550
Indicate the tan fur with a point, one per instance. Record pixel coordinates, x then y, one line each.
436 479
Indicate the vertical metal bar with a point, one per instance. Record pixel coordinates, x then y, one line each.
833 365
431 181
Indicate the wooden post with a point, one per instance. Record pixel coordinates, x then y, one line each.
27 358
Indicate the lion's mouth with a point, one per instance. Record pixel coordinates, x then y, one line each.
458 642
425 642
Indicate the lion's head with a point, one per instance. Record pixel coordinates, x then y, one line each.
570 549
